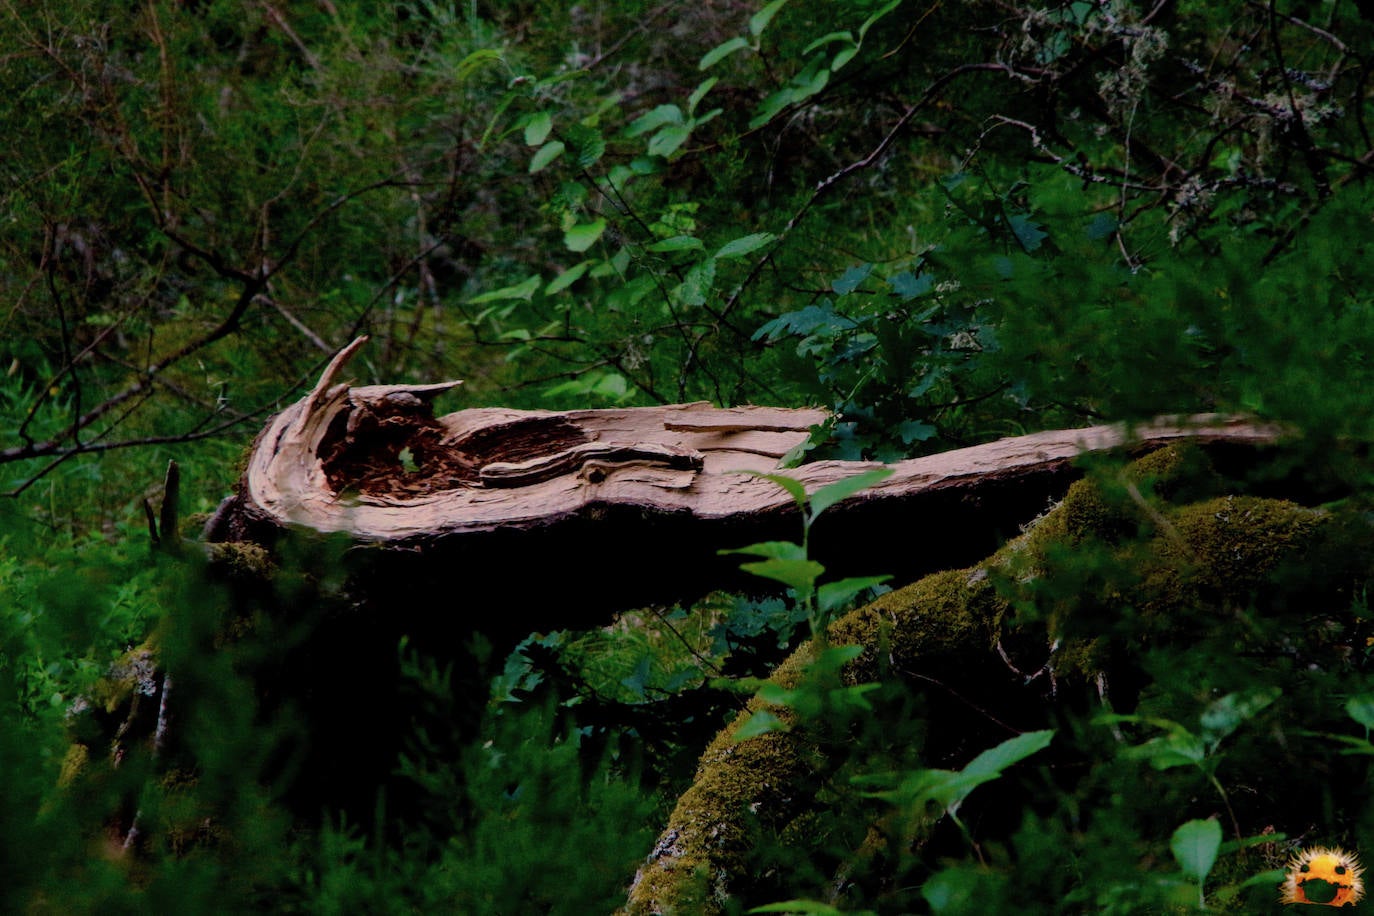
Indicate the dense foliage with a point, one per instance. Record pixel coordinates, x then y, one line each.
948 222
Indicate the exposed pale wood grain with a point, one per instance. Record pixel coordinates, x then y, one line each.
539 467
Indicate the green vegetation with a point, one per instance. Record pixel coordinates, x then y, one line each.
947 222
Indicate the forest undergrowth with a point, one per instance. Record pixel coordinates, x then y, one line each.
945 223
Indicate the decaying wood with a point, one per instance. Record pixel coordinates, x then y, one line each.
372 462
497 523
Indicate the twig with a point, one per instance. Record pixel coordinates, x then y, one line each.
663 619
275 17
299 325
61 455
644 23
168 523
163 717
963 699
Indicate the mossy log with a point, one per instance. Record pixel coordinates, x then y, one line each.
655 491
1191 567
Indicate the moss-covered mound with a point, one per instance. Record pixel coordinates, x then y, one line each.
1144 588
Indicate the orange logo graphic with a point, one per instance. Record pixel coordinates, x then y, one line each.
1326 877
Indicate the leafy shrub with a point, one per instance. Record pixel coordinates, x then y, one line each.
946 222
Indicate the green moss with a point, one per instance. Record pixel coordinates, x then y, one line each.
73 763
132 675
240 560
743 787
740 790
1236 542
1111 549
945 612
1115 502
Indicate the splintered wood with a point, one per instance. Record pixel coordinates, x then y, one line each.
375 463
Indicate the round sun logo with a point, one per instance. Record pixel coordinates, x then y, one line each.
1326 877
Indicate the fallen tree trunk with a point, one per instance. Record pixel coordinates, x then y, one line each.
465 533
655 490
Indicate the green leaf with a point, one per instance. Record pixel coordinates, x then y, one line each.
567 278
996 759
829 38
475 61
908 286
871 20
949 789
950 891
832 493
638 679
545 155
1081 11
793 486
698 282
771 106
810 81
1102 226
782 550
854 698
774 694
575 386
588 145
1175 750
615 267
645 165
1261 839
760 722
925 383
721 51
744 245
1361 709
676 243
581 237
834 595
709 116
611 385
845 54
797 574
668 140
843 57
799 908
1272 877
759 21
1028 232
629 294
1195 846
538 128
814 318
910 431
663 114
1178 747
699 93
1225 715
851 279
524 290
